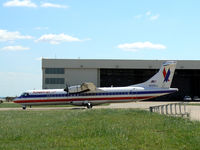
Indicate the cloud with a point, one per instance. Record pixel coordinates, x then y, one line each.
6 36
29 3
140 45
46 5
57 38
148 15
15 48
155 17
19 3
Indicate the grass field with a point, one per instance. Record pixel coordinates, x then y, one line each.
9 105
194 104
103 129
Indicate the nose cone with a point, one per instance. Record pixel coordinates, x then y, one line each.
15 100
176 89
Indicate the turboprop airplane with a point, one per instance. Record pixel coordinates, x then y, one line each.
88 95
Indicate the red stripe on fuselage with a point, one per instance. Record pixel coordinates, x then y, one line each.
81 99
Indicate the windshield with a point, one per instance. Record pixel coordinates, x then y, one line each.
24 94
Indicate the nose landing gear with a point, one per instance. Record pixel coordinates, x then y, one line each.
89 105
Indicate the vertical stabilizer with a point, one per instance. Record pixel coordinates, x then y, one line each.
163 78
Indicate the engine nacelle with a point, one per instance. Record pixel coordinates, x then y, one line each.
82 88
74 89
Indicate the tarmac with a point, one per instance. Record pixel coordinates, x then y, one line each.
194 111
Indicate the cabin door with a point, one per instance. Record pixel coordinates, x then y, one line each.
134 94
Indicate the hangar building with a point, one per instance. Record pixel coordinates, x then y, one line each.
105 73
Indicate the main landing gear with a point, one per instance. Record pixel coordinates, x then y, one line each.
89 105
24 107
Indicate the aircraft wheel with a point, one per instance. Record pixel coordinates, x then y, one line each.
89 105
23 107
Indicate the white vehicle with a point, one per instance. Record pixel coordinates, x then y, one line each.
187 98
196 98
88 95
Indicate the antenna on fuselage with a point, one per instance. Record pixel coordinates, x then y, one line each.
66 89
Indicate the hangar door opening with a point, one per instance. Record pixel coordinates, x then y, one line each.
186 80
124 77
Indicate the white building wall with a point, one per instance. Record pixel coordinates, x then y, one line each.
74 76
78 71
78 76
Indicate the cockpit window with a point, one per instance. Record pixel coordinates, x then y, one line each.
24 95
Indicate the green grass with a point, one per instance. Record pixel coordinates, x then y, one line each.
193 104
103 129
9 105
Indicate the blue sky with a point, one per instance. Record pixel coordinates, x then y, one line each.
128 29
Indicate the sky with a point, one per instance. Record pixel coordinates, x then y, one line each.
77 29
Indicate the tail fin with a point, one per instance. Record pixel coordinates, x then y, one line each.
163 78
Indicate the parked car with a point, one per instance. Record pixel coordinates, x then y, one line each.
196 98
187 98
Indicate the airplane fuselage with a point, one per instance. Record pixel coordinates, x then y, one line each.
100 96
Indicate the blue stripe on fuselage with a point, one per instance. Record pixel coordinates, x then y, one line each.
99 94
